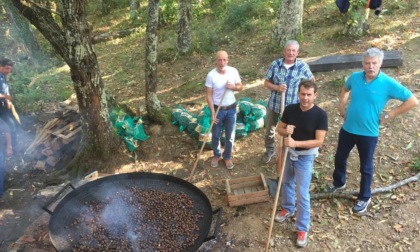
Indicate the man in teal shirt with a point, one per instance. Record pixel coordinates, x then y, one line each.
369 90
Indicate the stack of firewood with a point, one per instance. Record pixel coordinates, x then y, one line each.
58 139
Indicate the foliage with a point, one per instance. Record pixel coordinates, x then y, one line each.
168 12
241 15
415 165
30 95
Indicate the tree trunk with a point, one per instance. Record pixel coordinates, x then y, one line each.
153 106
71 39
184 26
134 9
356 24
289 22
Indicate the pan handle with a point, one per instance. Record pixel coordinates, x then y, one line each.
217 225
53 199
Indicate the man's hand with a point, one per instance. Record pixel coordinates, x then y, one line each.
230 85
214 119
289 142
282 88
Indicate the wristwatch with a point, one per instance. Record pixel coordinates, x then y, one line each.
386 116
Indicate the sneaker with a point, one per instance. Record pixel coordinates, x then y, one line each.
361 206
332 188
267 157
283 215
229 164
215 162
302 239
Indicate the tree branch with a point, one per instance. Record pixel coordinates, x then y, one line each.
351 194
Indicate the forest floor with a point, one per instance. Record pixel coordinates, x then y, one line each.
391 223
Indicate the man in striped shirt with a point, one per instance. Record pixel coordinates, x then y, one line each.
284 75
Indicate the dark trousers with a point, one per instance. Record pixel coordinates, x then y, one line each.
366 147
7 116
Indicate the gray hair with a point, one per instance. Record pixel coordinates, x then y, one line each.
291 42
374 52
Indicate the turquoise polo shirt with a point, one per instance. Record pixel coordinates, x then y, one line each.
368 100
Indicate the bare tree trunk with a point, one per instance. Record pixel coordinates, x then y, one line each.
184 26
357 17
71 39
134 9
289 21
153 106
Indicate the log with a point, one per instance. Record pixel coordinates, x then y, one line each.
338 62
352 194
112 35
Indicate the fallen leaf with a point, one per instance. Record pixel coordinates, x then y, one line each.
398 227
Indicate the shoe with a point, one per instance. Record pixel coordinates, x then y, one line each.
215 162
302 239
283 215
361 206
332 188
229 164
267 157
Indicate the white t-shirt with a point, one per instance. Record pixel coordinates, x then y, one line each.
218 81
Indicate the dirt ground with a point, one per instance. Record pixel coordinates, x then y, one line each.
391 224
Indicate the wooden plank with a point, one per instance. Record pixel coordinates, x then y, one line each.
337 62
47 151
245 179
52 161
264 182
69 126
247 201
71 136
56 144
228 190
245 184
248 195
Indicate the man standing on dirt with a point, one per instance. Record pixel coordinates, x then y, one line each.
283 75
370 91
5 151
221 82
6 67
306 125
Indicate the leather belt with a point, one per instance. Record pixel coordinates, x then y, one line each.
232 106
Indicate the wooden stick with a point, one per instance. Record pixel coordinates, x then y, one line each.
204 142
280 149
276 199
352 194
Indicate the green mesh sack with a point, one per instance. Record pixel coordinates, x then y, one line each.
139 133
245 107
258 110
249 118
255 125
192 125
196 132
130 143
241 130
205 138
176 114
184 119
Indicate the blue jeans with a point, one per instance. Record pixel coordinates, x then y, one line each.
227 119
366 147
2 170
299 172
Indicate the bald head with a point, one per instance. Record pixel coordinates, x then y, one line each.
221 61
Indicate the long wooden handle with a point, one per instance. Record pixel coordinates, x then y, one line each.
276 199
204 142
280 148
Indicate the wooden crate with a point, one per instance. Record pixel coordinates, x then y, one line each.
248 190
